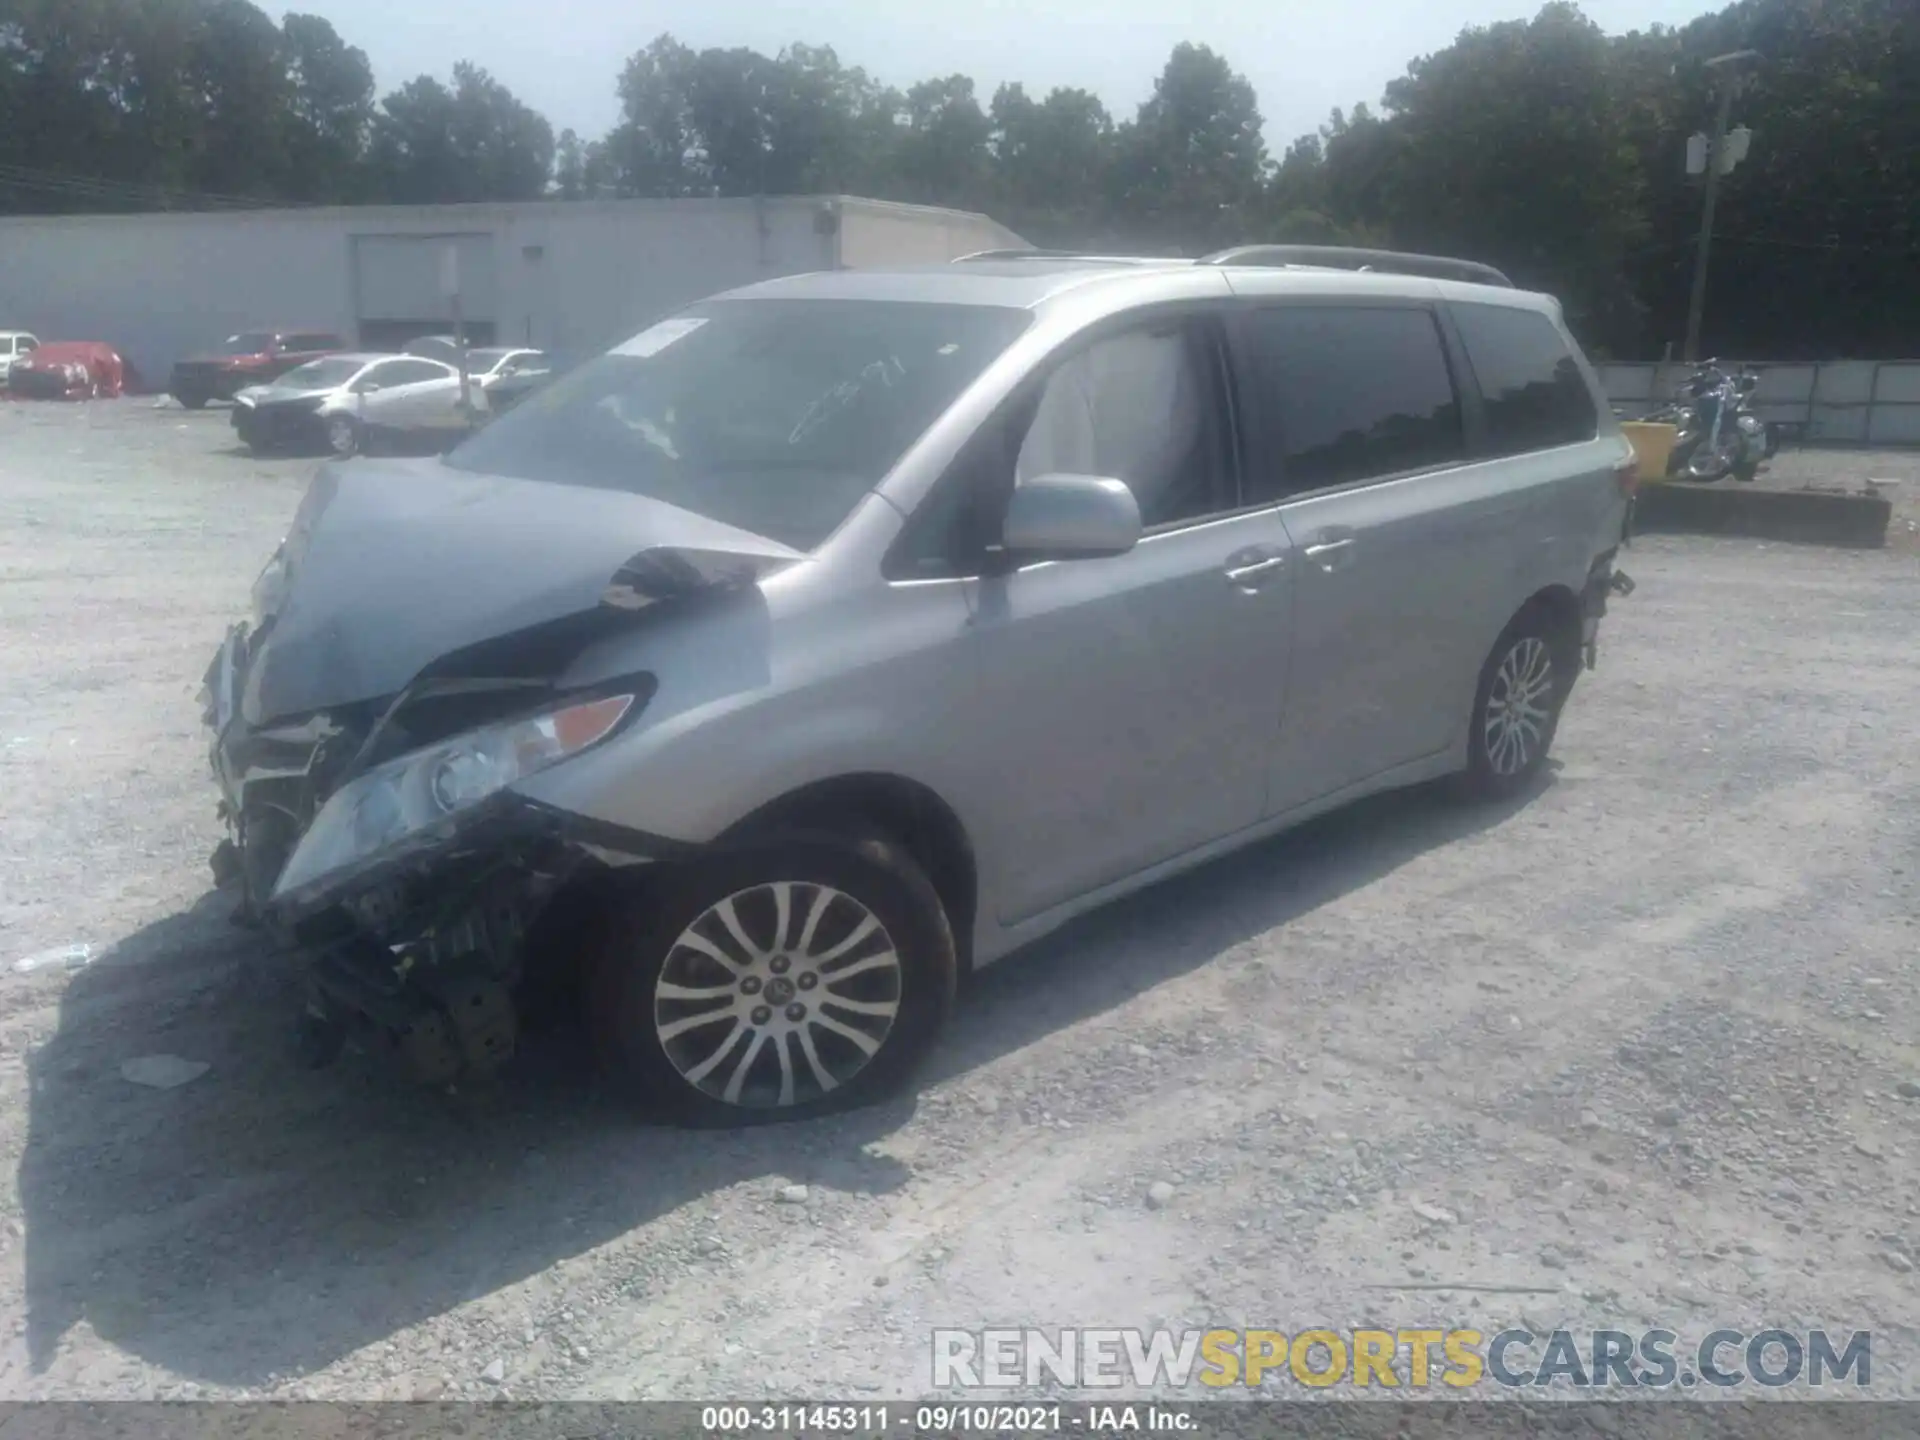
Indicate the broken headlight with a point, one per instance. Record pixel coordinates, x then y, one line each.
417 797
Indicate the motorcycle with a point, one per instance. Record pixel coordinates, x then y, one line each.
1718 433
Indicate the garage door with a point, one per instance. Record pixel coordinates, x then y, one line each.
398 288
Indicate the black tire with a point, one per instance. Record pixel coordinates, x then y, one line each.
345 436
640 935
191 401
1746 470
1492 773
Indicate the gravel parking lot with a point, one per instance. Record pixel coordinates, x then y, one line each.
1641 1051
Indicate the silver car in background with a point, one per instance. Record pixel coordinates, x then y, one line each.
845 632
491 363
352 402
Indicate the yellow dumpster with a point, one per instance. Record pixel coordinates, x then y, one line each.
1652 447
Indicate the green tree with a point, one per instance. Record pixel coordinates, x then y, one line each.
1190 169
236 82
831 128
329 111
655 149
569 167
1511 150
476 141
942 155
1818 232
1050 160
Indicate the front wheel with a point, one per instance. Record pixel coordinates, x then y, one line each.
191 401
1516 708
1710 465
774 982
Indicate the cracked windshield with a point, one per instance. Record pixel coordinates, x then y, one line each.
1068 720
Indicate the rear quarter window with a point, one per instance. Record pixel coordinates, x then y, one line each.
1532 391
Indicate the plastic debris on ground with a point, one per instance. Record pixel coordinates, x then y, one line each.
162 1072
63 957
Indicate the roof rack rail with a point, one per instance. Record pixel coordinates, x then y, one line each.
1091 255
1347 257
1018 254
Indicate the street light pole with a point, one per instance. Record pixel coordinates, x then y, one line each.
1728 67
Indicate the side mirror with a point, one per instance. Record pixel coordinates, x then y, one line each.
1070 517
366 387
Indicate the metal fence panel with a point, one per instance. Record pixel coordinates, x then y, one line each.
1899 384
1845 382
1894 425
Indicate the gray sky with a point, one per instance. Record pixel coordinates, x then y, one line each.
563 56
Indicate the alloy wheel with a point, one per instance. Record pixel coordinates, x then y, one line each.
340 435
777 995
1519 707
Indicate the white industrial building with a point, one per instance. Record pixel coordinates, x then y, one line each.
570 276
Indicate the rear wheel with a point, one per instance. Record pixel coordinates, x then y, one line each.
1516 709
191 400
345 436
782 980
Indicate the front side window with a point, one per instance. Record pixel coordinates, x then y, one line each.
1142 407
1350 393
774 416
1534 394
1137 407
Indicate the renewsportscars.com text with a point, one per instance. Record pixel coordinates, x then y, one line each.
1413 1359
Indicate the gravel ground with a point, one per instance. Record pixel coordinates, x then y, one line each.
1641 1051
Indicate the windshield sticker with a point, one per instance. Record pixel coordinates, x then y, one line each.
656 338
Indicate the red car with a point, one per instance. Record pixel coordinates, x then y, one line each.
252 357
69 370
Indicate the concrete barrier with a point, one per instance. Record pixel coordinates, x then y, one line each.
1814 517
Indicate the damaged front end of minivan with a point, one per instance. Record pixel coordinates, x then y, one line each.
405 667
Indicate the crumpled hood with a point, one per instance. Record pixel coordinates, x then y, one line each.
391 565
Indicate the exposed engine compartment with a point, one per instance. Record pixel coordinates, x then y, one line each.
429 952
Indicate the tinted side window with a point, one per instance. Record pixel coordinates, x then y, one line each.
1534 394
306 344
1350 393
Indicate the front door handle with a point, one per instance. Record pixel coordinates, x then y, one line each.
1253 573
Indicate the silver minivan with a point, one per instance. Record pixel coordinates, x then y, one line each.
843 633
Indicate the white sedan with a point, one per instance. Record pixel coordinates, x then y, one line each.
352 402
